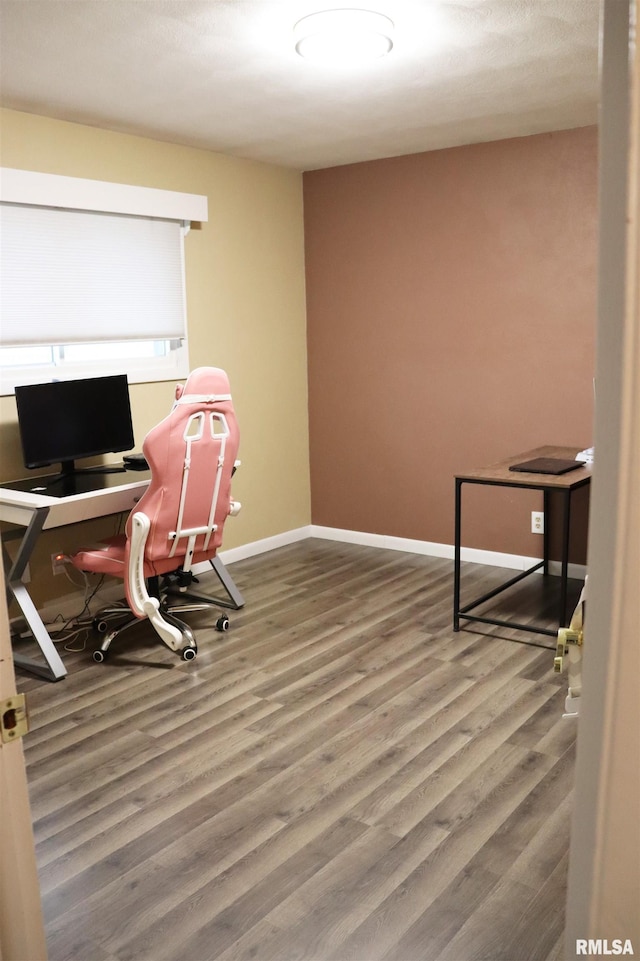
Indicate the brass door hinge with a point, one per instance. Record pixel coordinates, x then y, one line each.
14 721
566 636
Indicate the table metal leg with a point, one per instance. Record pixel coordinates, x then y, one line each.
456 556
227 582
564 573
53 668
193 600
546 505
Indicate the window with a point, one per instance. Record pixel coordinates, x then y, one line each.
91 291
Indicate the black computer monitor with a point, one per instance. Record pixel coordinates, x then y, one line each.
67 420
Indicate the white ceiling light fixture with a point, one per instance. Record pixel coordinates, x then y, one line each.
344 36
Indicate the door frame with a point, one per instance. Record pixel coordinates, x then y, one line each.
604 861
21 922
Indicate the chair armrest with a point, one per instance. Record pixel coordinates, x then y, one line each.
140 602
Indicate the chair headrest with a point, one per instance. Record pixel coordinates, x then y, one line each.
202 384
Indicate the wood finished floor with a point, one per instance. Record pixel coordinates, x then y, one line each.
340 777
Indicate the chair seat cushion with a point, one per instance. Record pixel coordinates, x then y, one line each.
105 557
108 557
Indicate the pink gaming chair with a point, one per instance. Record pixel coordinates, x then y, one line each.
178 522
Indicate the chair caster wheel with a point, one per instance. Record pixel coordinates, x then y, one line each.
222 624
189 653
99 656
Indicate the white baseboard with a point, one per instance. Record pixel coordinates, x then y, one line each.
518 562
72 603
260 547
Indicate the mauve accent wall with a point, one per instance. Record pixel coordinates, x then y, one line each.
451 304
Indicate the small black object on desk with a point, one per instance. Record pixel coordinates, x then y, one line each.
547 465
135 462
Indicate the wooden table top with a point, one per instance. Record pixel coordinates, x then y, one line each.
500 474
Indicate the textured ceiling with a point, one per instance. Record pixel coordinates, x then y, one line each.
223 75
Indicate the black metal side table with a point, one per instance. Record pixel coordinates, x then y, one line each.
499 475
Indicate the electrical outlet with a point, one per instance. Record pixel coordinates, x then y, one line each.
537 522
57 563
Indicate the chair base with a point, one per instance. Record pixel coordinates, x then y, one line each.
187 651
189 601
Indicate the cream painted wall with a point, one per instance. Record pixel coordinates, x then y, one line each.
246 310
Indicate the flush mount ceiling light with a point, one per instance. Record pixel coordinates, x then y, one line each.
343 36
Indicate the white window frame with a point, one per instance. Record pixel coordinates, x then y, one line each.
74 193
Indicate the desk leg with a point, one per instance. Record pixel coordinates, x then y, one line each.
564 574
54 669
456 557
546 504
227 582
202 600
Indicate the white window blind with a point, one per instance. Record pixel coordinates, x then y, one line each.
77 276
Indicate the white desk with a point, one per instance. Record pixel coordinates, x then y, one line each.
40 503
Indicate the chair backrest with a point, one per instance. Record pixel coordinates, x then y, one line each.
191 454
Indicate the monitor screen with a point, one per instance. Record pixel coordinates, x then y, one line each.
70 419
